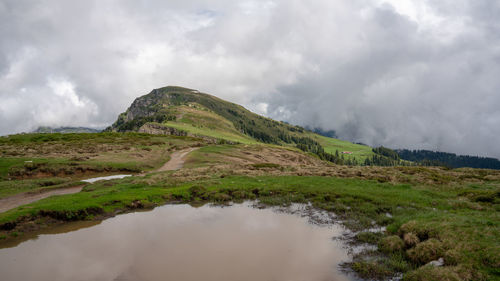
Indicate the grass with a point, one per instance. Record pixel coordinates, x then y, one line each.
7 163
257 156
64 167
369 237
206 115
198 120
472 234
331 145
202 131
209 155
12 187
30 160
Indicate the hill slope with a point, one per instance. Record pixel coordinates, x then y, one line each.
177 110
64 130
168 104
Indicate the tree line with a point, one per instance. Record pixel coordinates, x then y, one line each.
451 160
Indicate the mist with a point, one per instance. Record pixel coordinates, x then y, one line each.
403 74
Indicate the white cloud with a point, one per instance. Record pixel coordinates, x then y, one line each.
406 73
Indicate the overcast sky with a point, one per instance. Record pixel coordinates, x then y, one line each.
400 73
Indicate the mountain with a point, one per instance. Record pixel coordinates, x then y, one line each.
199 113
183 111
65 130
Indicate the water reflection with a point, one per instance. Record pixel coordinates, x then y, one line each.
183 243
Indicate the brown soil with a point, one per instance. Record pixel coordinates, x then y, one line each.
29 197
68 171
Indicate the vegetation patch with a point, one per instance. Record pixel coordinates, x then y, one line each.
12 187
369 237
391 244
426 251
265 165
457 273
371 269
410 239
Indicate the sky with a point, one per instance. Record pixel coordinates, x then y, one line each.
400 73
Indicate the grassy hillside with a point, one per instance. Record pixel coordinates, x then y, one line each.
205 115
161 105
198 120
65 130
30 162
331 145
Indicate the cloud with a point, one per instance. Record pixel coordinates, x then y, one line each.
417 74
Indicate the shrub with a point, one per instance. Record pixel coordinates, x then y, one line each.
410 239
431 273
391 244
371 269
426 251
398 263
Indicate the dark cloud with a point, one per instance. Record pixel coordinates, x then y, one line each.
401 73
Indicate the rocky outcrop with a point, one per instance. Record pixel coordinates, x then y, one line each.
144 106
153 107
159 129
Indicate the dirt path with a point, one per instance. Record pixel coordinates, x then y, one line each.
29 197
176 160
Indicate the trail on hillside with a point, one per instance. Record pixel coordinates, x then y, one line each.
176 162
29 197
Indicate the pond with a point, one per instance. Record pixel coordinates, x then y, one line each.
92 180
180 242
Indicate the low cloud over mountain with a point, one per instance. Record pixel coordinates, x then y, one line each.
416 74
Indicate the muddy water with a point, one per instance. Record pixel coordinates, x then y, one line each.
183 243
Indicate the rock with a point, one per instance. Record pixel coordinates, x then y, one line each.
161 129
137 204
437 263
